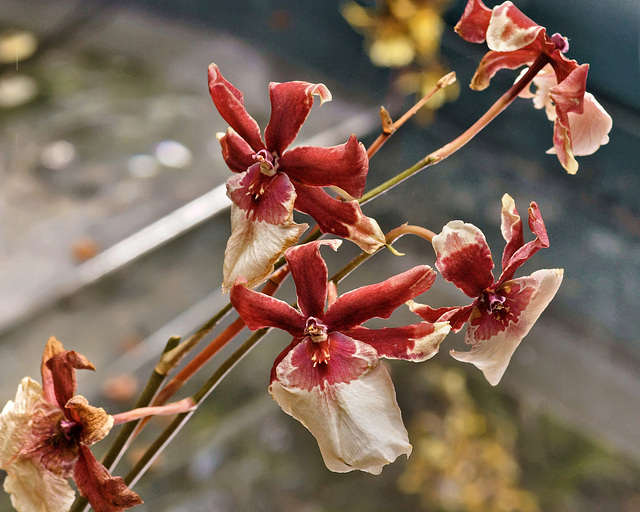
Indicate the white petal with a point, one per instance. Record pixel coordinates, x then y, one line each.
31 486
35 489
357 424
492 356
254 247
590 129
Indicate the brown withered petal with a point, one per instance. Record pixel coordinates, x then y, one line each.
96 423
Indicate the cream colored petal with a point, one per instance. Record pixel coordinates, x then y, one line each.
590 129
492 356
358 424
254 247
34 489
15 420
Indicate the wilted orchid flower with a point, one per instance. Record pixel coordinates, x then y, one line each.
503 311
330 377
272 180
580 124
45 434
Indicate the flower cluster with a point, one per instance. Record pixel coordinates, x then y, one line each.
581 125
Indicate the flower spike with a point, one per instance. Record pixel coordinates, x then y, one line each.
581 125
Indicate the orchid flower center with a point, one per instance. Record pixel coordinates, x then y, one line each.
562 43
317 333
70 428
268 162
495 303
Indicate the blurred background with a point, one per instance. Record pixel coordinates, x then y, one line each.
113 221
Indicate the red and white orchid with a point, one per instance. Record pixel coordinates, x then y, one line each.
45 434
330 377
503 311
272 180
581 125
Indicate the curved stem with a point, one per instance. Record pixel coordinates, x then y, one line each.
448 149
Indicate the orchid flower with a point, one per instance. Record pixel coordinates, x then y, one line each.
503 311
581 125
330 377
272 181
45 434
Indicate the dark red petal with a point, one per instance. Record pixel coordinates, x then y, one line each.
463 257
457 316
259 310
342 218
474 22
344 166
104 492
52 348
263 198
493 62
378 300
536 224
290 106
230 104
237 153
511 227
63 368
417 342
309 272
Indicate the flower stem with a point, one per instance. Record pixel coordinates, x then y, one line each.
448 149
389 127
176 425
123 439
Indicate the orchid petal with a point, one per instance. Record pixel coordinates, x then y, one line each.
32 487
492 62
378 300
290 106
52 348
230 104
510 30
474 23
463 257
417 342
355 418
455 316
589 130
259 310
30 484
254 247
237 153
492 345
511 228
342 218
104 492
263 198
309 272
63 366
96 423
344 166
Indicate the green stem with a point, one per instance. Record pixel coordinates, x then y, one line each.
181 419
121 442
447 150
